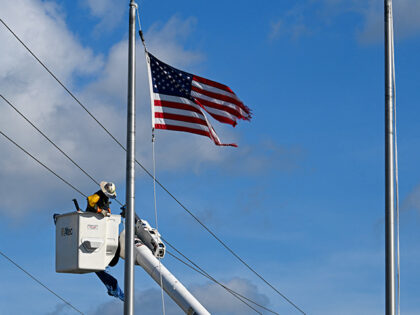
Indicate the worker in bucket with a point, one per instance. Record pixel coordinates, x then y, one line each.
99 201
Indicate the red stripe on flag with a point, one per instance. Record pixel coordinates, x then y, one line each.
189 119
184 129
195 131
177 105
224 119
212 83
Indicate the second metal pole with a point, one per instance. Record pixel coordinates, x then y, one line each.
130 172
389 164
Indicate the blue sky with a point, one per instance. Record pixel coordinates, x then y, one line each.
301 199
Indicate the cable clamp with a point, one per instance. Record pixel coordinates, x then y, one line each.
133 4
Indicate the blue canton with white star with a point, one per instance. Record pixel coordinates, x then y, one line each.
168 80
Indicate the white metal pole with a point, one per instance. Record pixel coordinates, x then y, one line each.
130 163
389 165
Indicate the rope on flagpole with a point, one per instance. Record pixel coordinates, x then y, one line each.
140 30
156 215
154 173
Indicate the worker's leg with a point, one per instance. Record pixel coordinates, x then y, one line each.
111 284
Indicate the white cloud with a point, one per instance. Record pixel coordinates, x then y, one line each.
406 21
292 24
166 41
109 12
30 88
412 201
265 155
275 29
42 27
61 309
320 14
214 298
218 301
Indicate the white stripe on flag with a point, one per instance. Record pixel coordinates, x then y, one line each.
219 102
176 111
175 99
219 112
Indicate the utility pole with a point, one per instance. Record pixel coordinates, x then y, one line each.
389 162
130 171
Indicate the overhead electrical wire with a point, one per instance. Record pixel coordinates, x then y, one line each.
147 172
53 143
40 283
42 164
230 250
236 295
61 83
49 140
73 187
204 273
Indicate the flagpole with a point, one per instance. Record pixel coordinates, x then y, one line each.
130 166
389 164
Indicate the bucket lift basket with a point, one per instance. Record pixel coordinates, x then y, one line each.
85 241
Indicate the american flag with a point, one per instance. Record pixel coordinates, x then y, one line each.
180 100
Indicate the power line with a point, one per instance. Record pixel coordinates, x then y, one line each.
42 164
40 283
233 253
207 275
198 269
52 142
62 84
49 140
161 185
236 295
